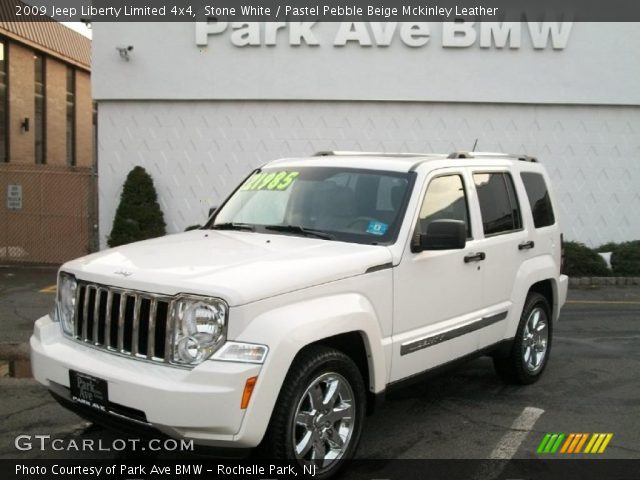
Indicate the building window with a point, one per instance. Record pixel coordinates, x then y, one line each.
95 134
71 116
39 125
4 103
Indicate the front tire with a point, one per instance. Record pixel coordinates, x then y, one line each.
531 347
319 413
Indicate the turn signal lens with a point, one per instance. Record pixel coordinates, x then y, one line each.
248 391
242 352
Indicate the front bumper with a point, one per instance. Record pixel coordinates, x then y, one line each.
563 288
202 404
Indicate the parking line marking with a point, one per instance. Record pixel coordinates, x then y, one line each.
603 302
49 289
520 428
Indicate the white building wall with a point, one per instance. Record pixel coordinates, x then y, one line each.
599 63
197 151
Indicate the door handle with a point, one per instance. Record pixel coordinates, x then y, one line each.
474 257
526 245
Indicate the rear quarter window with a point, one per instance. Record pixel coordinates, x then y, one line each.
498 203
539 199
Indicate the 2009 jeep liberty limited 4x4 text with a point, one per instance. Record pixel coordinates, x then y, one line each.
315 286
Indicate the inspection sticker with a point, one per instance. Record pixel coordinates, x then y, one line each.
377 228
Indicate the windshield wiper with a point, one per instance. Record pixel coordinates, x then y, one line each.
233 226
309 232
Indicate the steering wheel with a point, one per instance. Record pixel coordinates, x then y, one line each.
358 220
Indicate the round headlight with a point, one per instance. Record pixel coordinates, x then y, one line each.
200 329
201 318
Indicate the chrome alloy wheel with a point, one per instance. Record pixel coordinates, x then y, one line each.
324 420
535 340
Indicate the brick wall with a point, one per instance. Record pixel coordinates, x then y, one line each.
84 120
56 112
22 105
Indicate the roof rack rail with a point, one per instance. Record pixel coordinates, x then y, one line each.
344 153
512 156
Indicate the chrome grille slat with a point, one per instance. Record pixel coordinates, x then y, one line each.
107 319
135 335
169 335
106 322
85 313
151 335
96 315
76 327
121 314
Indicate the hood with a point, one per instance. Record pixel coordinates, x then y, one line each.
238 266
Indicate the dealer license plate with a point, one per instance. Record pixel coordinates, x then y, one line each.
88 390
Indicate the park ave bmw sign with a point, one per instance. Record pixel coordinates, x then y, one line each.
542 35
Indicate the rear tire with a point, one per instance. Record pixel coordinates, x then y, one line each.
531 346
319 413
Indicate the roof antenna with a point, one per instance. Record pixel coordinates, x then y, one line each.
475 144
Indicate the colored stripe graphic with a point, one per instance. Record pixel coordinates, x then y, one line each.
543 443
567 443
598 442
556 445
573 443
550 443
582 440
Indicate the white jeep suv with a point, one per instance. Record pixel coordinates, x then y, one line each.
318 284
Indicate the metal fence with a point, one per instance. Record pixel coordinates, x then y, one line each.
48 214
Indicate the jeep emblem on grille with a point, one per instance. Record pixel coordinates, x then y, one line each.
123 273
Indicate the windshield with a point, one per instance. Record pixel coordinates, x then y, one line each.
354 205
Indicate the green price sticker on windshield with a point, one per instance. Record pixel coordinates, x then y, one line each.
278 181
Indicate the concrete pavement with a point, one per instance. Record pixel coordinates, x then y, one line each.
591 385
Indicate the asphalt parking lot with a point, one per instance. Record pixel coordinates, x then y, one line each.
591 385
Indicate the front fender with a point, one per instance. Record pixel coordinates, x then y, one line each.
288 329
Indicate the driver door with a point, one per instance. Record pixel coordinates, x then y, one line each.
437 293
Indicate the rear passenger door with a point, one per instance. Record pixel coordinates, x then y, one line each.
544 238
502 232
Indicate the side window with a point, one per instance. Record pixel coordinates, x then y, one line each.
445 199
539 200
498 202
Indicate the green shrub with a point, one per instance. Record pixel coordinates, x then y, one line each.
625 259
581 261
138 216
608 247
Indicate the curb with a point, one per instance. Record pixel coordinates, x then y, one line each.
16 356
10 352
578 282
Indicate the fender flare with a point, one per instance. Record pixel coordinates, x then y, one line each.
532 271
287 330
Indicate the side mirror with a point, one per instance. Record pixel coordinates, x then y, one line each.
212 210
440 235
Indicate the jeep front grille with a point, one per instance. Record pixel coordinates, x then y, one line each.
126 322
